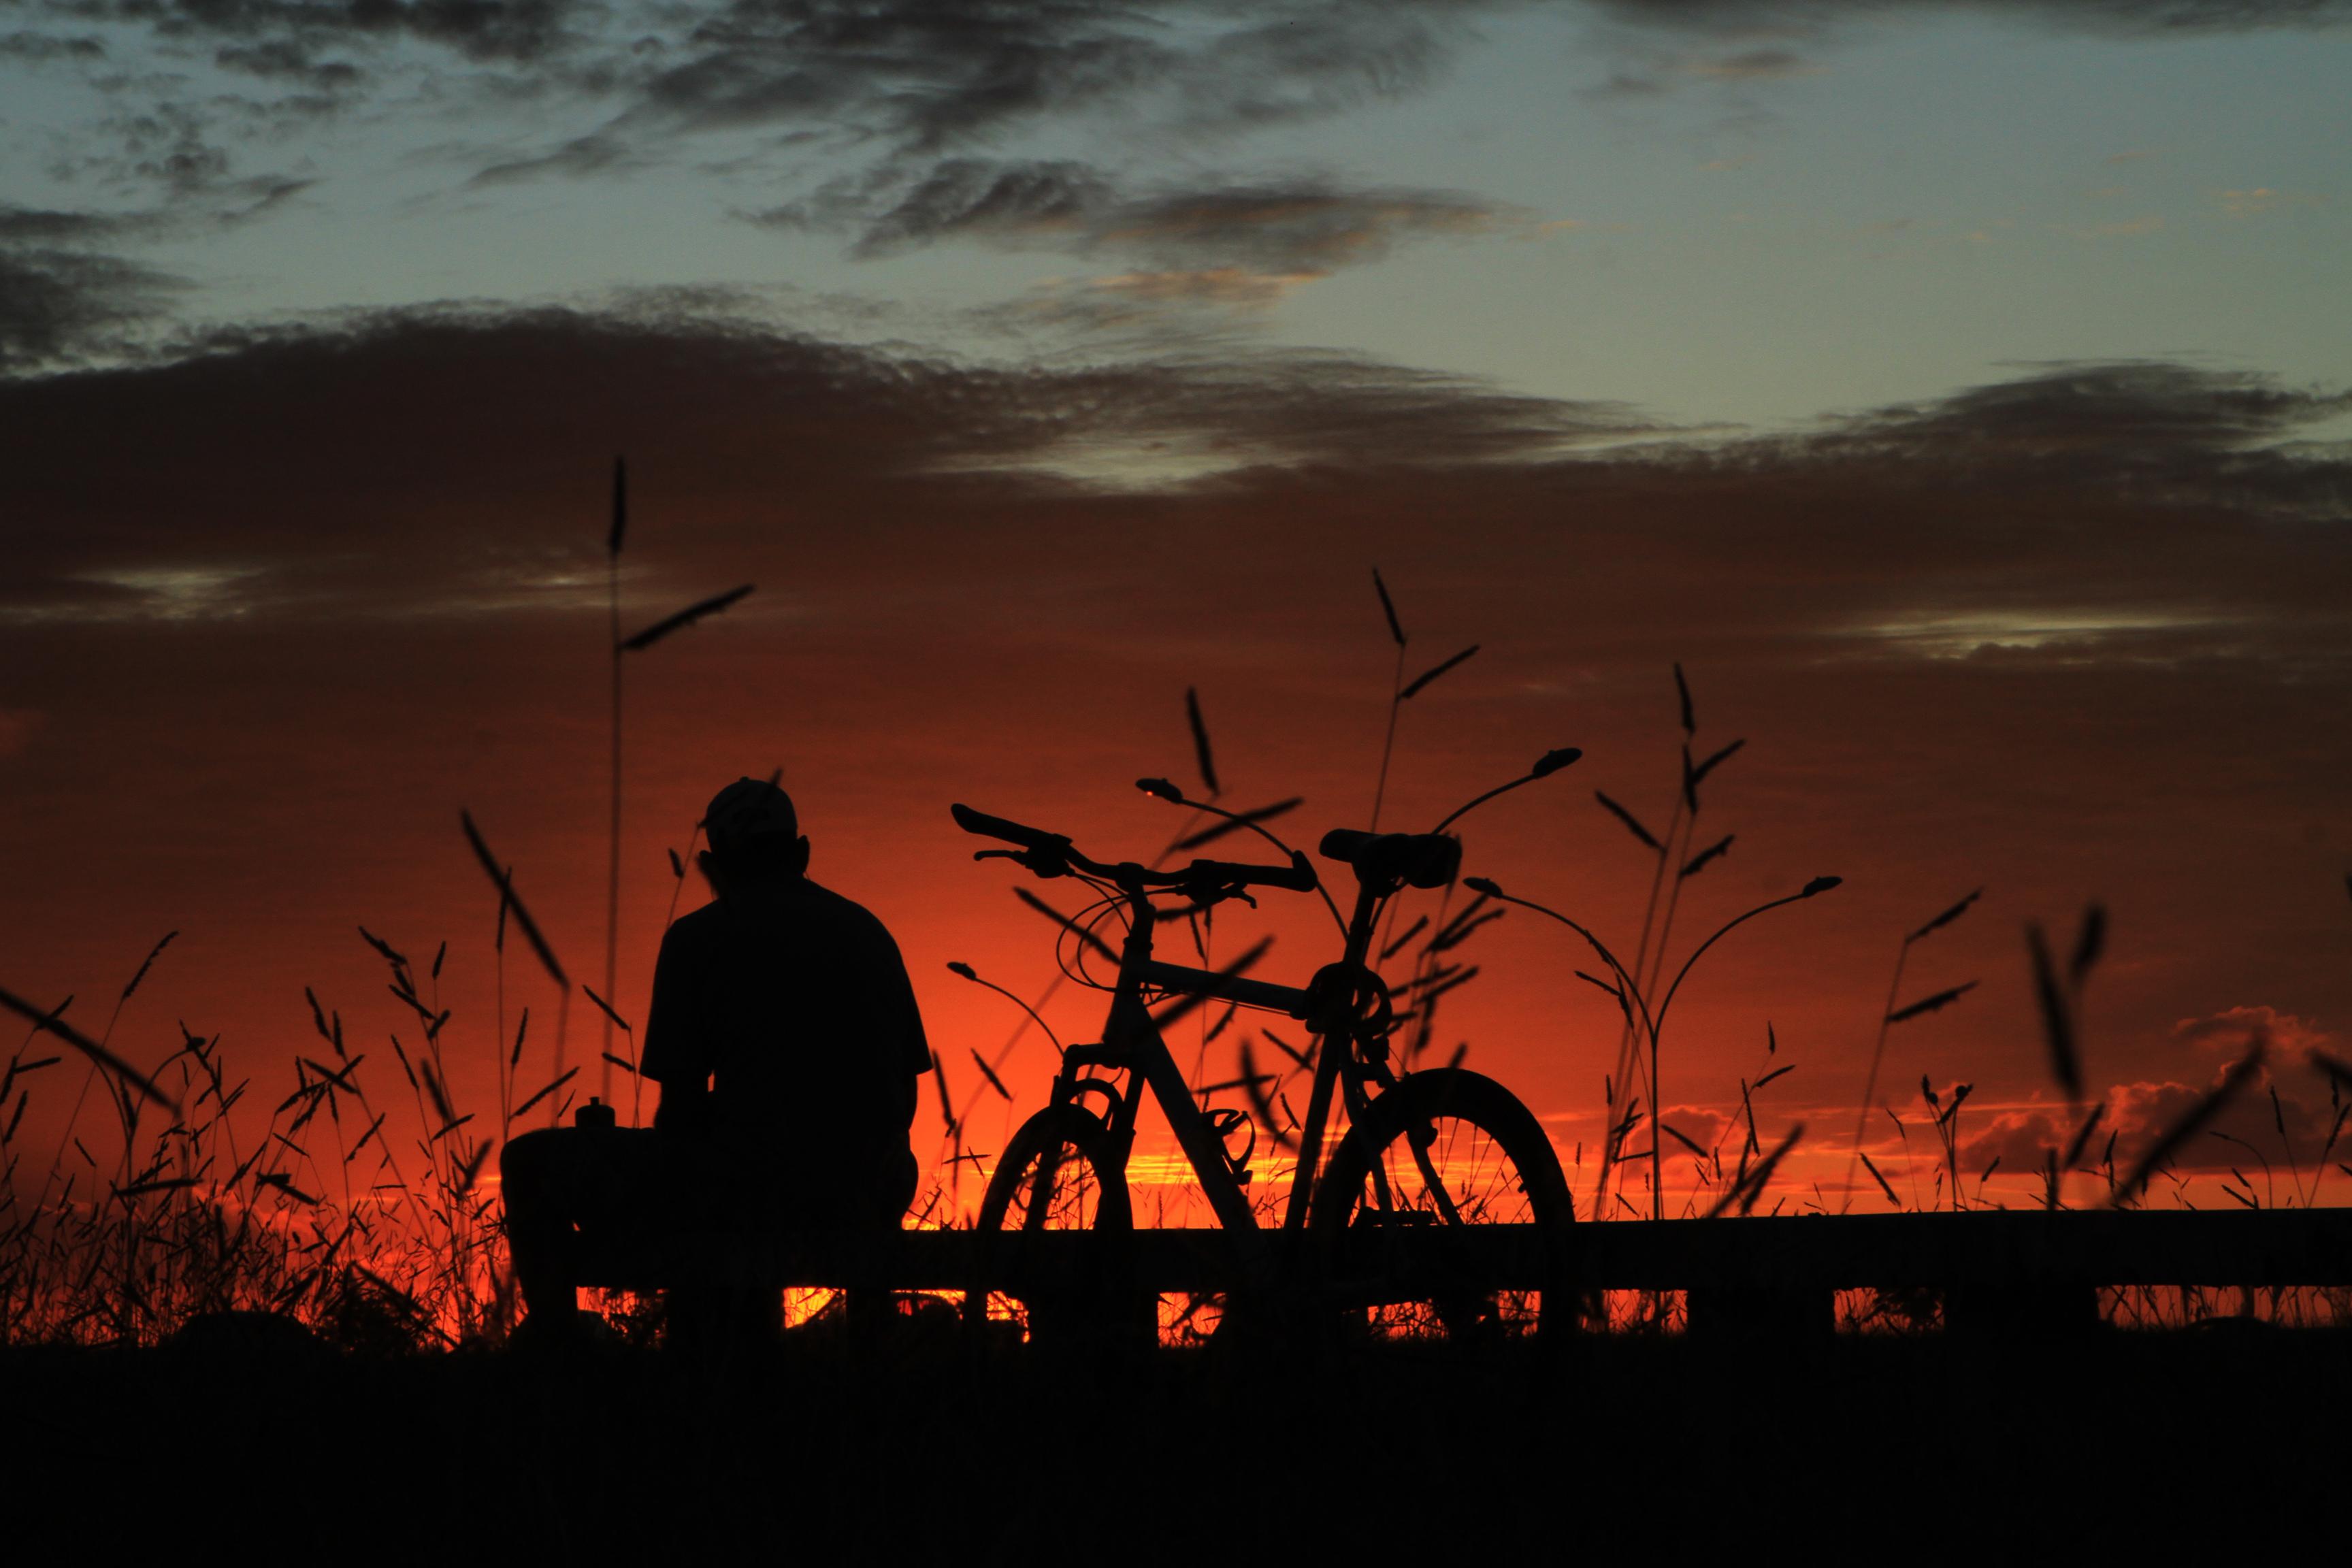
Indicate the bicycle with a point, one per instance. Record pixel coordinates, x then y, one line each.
1432 1149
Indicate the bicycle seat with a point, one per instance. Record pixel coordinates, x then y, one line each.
1416 860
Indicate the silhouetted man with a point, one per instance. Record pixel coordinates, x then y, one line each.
786 1041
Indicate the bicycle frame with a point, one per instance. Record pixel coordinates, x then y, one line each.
1132 1043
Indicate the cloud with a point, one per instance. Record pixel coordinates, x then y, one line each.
37 226
2146 513
2286 1117
286 60
61 305
440 387
65 295
906 83
598 153
909 79
1756 65
2247 1133
1304 226
1148 299
1060 202
35 49
1653 48
2129 17
2132 414
1216 285
283 32
2226 1033
2259 199
929 77
180 151
1240 242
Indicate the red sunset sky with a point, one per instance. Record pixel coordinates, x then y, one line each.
388 607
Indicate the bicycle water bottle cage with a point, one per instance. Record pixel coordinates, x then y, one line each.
1224 1121
1415 859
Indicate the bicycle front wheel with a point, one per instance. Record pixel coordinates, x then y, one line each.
1061 1172
1443 1155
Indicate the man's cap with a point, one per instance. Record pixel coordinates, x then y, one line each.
746 811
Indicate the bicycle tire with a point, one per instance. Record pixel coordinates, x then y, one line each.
1085 1152
1505 1170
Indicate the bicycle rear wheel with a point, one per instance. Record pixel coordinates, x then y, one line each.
1061 1172
1443 1155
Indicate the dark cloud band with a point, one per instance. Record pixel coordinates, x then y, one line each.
2158 508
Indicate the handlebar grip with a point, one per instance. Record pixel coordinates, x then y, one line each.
1012 832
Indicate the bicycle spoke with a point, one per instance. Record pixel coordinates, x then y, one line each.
1436 1184
1446 1170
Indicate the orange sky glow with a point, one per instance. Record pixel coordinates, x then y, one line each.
252 683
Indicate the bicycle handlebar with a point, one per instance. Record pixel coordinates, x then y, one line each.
1299 876
1052 854
1012 832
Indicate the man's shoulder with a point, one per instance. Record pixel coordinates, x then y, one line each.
807 910
845 914
694 926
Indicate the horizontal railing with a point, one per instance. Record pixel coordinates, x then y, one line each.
1794 1256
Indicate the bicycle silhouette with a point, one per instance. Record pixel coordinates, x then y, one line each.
1436 1150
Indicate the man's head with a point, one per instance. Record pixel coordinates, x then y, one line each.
755 834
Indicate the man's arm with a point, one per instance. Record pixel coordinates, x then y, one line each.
903 1021
675 1056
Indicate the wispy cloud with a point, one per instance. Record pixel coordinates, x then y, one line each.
61 305
1244 242
1751 18
1756 65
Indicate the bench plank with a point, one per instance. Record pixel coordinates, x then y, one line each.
1810 1253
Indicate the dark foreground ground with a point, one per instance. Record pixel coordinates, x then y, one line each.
2120 1447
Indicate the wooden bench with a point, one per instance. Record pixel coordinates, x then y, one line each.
1995 1272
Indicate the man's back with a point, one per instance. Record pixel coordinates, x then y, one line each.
793 1003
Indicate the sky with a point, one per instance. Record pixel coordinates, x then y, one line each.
1957 391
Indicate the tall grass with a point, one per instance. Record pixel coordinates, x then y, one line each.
321 1216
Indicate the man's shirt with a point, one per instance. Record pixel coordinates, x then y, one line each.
795 1003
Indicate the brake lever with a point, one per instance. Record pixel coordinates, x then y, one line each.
1028 861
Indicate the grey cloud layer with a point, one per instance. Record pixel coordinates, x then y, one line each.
65 295
2127 16
272 36
925 78
2170 499
56 303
